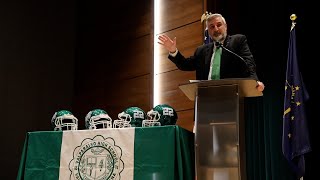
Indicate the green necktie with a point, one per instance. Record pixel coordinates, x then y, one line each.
215 72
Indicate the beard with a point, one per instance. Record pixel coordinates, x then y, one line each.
219 37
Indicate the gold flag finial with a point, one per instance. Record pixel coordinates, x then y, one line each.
293 17
205 16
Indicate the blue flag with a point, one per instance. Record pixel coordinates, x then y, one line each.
295 139
207 39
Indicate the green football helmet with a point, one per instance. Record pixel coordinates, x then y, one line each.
164 114
130 117
64 120
98 119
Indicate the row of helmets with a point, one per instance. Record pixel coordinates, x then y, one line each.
160 115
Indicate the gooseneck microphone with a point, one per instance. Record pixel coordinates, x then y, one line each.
219 44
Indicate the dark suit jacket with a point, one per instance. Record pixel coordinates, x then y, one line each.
231 66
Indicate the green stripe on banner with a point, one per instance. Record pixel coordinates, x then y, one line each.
154 157
39 163
185 154
23 159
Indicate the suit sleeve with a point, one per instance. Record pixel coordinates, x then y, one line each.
248 58
186 64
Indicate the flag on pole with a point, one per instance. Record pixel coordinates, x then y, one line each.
295 139
207 39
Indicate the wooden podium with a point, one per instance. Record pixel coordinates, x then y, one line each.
219 126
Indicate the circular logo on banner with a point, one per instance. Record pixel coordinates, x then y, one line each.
97 159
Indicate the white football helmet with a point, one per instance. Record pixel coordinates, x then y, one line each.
98 119
64 120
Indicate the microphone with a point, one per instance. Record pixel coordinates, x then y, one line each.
219 44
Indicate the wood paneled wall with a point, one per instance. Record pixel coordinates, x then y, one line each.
180 19
114 57
114 65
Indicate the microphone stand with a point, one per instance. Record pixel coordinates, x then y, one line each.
219 44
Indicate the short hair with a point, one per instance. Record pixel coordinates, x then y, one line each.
213 16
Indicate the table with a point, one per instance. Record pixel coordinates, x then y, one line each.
141 153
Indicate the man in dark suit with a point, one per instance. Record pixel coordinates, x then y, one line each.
236 59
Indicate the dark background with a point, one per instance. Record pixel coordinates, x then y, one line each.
53 52
37 57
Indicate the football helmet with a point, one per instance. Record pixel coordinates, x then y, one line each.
98 119
164 114
130 117
64 120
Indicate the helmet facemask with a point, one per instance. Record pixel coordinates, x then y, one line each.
101 121
123 121
153 119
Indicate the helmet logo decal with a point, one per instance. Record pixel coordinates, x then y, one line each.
97 159
138 114
168 111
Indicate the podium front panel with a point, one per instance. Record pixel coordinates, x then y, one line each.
217 137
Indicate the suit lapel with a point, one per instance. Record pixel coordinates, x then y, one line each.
226 41
208 54
225 44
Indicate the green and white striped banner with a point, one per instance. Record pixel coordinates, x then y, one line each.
115 154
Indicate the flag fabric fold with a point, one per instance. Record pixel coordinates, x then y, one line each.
207 39
295 139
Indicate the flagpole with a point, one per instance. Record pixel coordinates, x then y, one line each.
293 17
